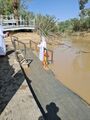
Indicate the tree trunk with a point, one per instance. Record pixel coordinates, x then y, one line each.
15 9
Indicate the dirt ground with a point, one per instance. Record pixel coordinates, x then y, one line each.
24 37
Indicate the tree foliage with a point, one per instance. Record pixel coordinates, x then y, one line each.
82 4
6 7
46 23
77 24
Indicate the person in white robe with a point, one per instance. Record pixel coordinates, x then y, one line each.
2 42
42 45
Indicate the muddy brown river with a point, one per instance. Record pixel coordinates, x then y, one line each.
72 66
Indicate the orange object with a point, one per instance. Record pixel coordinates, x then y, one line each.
45 59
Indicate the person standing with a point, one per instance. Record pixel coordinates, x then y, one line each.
2 42
42 45
45 58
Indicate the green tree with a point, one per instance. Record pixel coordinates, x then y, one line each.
46 23
16 4
82 4
13 6
82 7
6 7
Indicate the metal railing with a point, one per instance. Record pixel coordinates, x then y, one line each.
20 52
33 46
9 22
18 45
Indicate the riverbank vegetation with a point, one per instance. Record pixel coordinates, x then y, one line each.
49 24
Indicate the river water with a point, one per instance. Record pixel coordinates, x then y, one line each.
72 66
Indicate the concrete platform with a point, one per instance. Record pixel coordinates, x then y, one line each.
55 100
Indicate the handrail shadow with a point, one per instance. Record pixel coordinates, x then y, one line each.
52 109
9 82
32 91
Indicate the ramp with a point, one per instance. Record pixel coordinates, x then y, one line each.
55 100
